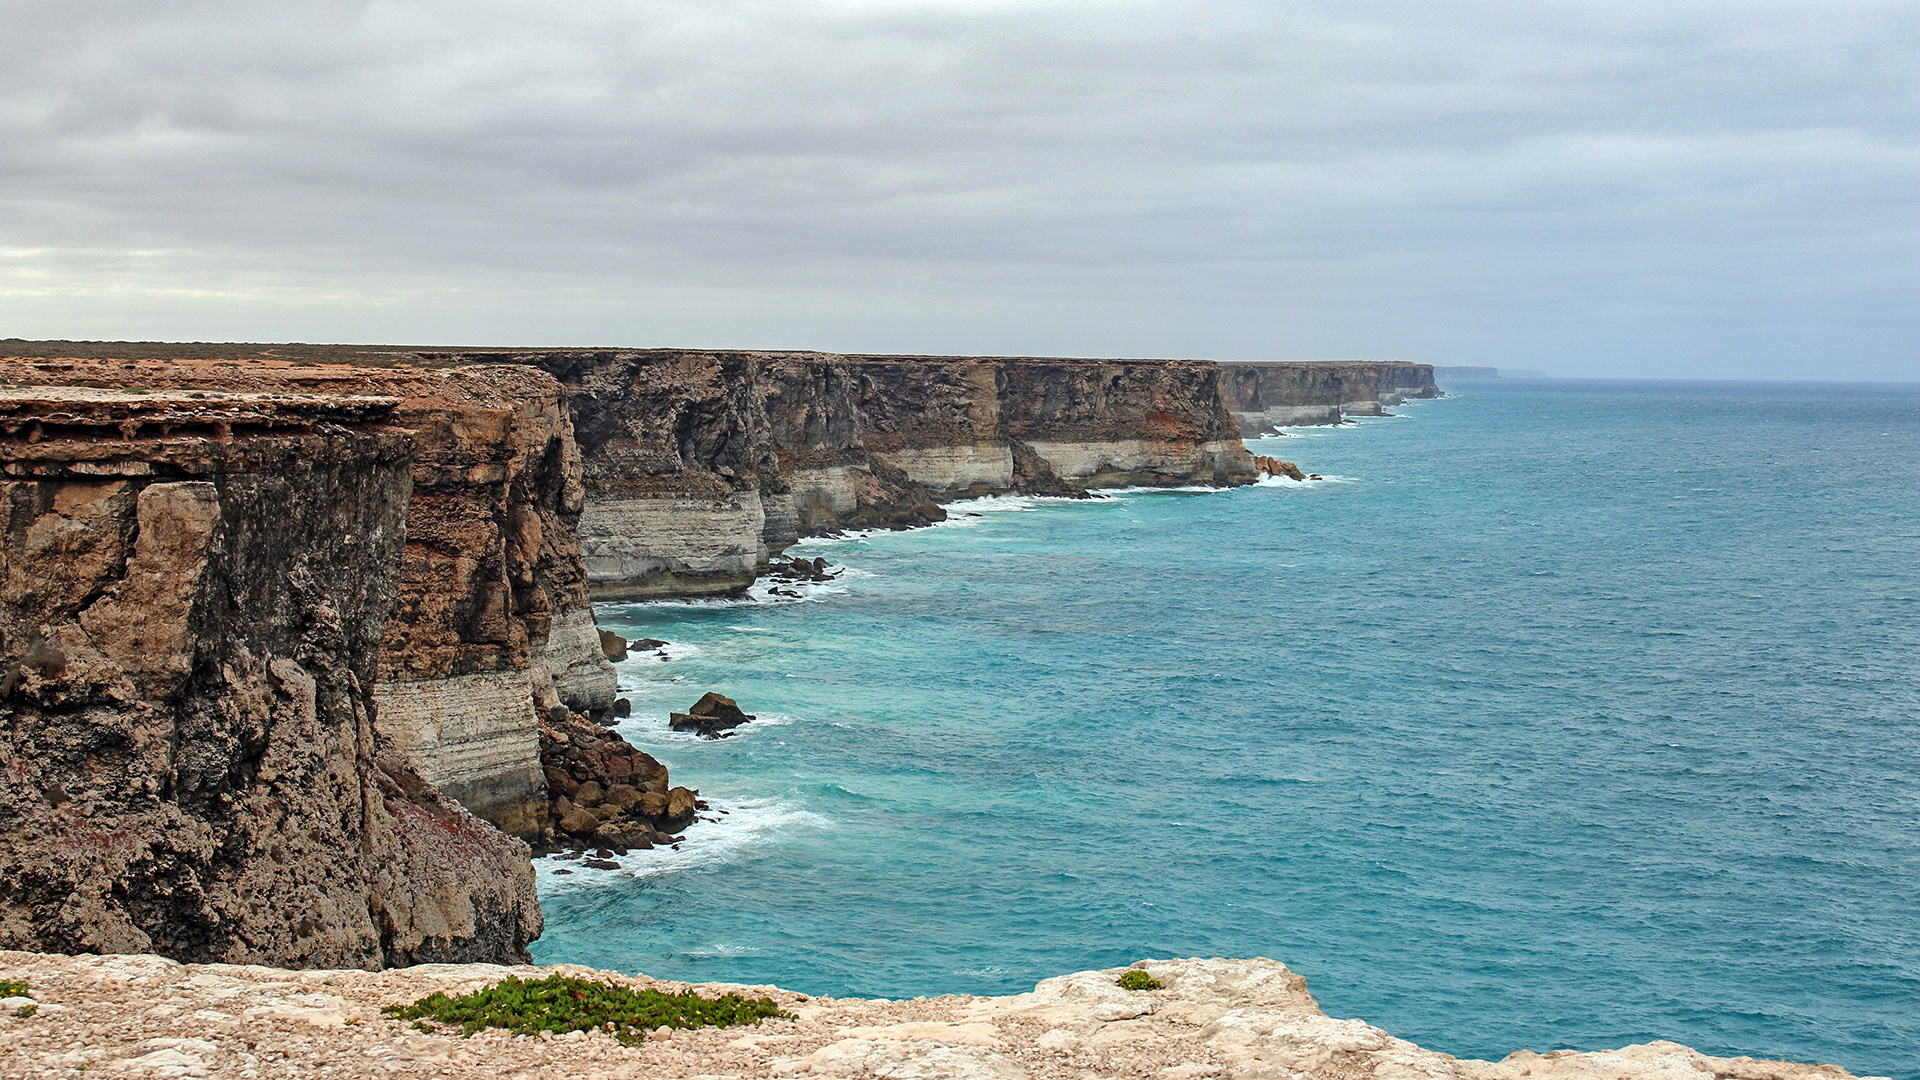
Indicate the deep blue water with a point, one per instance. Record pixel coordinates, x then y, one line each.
1566 714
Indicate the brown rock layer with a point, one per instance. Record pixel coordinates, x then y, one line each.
698 464
1262 397
605 793
195 589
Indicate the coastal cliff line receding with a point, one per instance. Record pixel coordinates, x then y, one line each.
1263 397
294 637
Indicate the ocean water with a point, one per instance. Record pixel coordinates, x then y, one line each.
1560 714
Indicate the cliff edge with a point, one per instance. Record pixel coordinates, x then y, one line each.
1235 1019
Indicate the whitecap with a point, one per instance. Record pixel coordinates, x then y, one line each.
801 592
1290 482
746 827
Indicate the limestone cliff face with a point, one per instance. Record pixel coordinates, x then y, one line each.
676 464
1262 397
490 626
196 585
697 464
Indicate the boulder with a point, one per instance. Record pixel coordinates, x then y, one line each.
681 804
622 707
578 823
711 715
560 783
613 645
621 797
588 794
1270 466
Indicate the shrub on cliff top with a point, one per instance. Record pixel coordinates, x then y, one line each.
562 1003
1139 980
13 988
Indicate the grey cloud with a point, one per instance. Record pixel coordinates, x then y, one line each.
1682 188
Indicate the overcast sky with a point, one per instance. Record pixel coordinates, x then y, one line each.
1715 188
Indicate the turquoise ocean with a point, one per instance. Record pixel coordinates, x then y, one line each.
1561 713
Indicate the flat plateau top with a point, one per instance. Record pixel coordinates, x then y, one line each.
294 353
1230 1019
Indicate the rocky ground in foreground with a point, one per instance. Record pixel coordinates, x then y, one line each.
143 1016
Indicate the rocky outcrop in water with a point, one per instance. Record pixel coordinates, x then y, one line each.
1272 466
714 716
1263 397
196 588
605 793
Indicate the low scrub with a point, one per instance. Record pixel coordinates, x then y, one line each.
562 1003
1139 980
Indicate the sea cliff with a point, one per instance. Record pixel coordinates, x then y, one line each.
698 465
196 587
299 639
1263 397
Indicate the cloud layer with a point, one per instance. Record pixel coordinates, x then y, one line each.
1678 188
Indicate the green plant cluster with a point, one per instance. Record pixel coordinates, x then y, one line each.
562 1003
1139 980
18 988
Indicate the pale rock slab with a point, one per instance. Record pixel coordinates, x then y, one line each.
639 548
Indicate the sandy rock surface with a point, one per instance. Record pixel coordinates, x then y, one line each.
143 1016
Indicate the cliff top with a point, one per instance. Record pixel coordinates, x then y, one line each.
293 354
1234 1019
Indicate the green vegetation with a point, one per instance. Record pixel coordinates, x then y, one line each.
12 988
1139 980
561 1003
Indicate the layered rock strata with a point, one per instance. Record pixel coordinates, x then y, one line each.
698 465
1266 396
1235 1019
196 588
490 627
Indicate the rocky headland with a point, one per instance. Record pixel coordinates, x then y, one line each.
1232 1019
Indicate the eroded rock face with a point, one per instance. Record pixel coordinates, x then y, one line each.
676 464
490 625
1263 397
698 465
195 590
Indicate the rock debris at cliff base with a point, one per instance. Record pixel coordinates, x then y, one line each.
143 1016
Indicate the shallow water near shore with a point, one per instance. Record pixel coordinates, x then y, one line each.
1562 714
